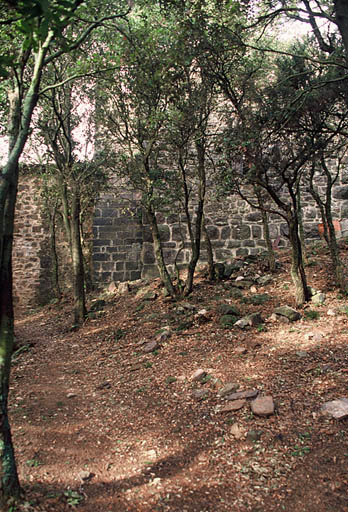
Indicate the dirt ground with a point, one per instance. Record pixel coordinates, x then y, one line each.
100 425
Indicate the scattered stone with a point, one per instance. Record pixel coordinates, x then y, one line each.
97 305
123 288
263 406
236 431
290 313
243 322
230 387
104 385
150 295
301 354
250 320
228 309
112 288
85 476
236 293
202 316
316 336
230 407
71 395
243 284
330 312
318 298
227 321
188 306
248 393
219 269
254 435
164 335
338 409
253 289
198 375
241 350
239 278
200 394
151 346
264 280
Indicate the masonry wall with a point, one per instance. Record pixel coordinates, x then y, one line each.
122 241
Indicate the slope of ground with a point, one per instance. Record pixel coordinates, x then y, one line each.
101 425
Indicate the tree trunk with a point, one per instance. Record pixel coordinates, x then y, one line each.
210 254
264 217
164 275
54 256
341 10
297 270
77 261
9 483
300 226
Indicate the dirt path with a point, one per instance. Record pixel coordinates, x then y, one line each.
103 426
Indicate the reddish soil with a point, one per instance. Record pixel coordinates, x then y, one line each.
92 401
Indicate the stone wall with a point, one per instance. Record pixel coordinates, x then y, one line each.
31 258
122 241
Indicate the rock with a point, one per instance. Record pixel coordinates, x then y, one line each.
316 336
250 320
151 346
253 289
202 316
97 305
228 309
288 312
248 393
318 298
264 280
239 278
236 293
301 354
112 288
338 409
219 269
263 406
71 395
123 288
227 321
104 385
236 431
85 476
232 406
198 375
200 394
254 435
164 335
330 312
240 350
228 270
230 387
150 295
243 284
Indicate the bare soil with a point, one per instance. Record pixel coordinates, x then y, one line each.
102 426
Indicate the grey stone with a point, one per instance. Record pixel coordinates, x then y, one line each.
264 280
85 476
228 309
151 346
232 406
230 387
200 394
236 431
97 305
227 321
123 288
288 312
244 284
318 298
263 406
248 393
236 293
240 350
338 409
254 435
341 192
198 375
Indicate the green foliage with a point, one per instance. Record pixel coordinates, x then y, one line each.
311 314
73 498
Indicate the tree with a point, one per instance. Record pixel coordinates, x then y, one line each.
35 35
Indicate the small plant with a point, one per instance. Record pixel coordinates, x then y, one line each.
312 315
33 463
73 498
170 379
148 364
206 379
261 328
119 334
142 389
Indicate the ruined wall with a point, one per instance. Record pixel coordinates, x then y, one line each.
122 241
31 258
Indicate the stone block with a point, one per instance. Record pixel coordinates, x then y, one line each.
225 233
340 192
101 256
242 252
243 232
148 257
256 231
213 232
103 221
